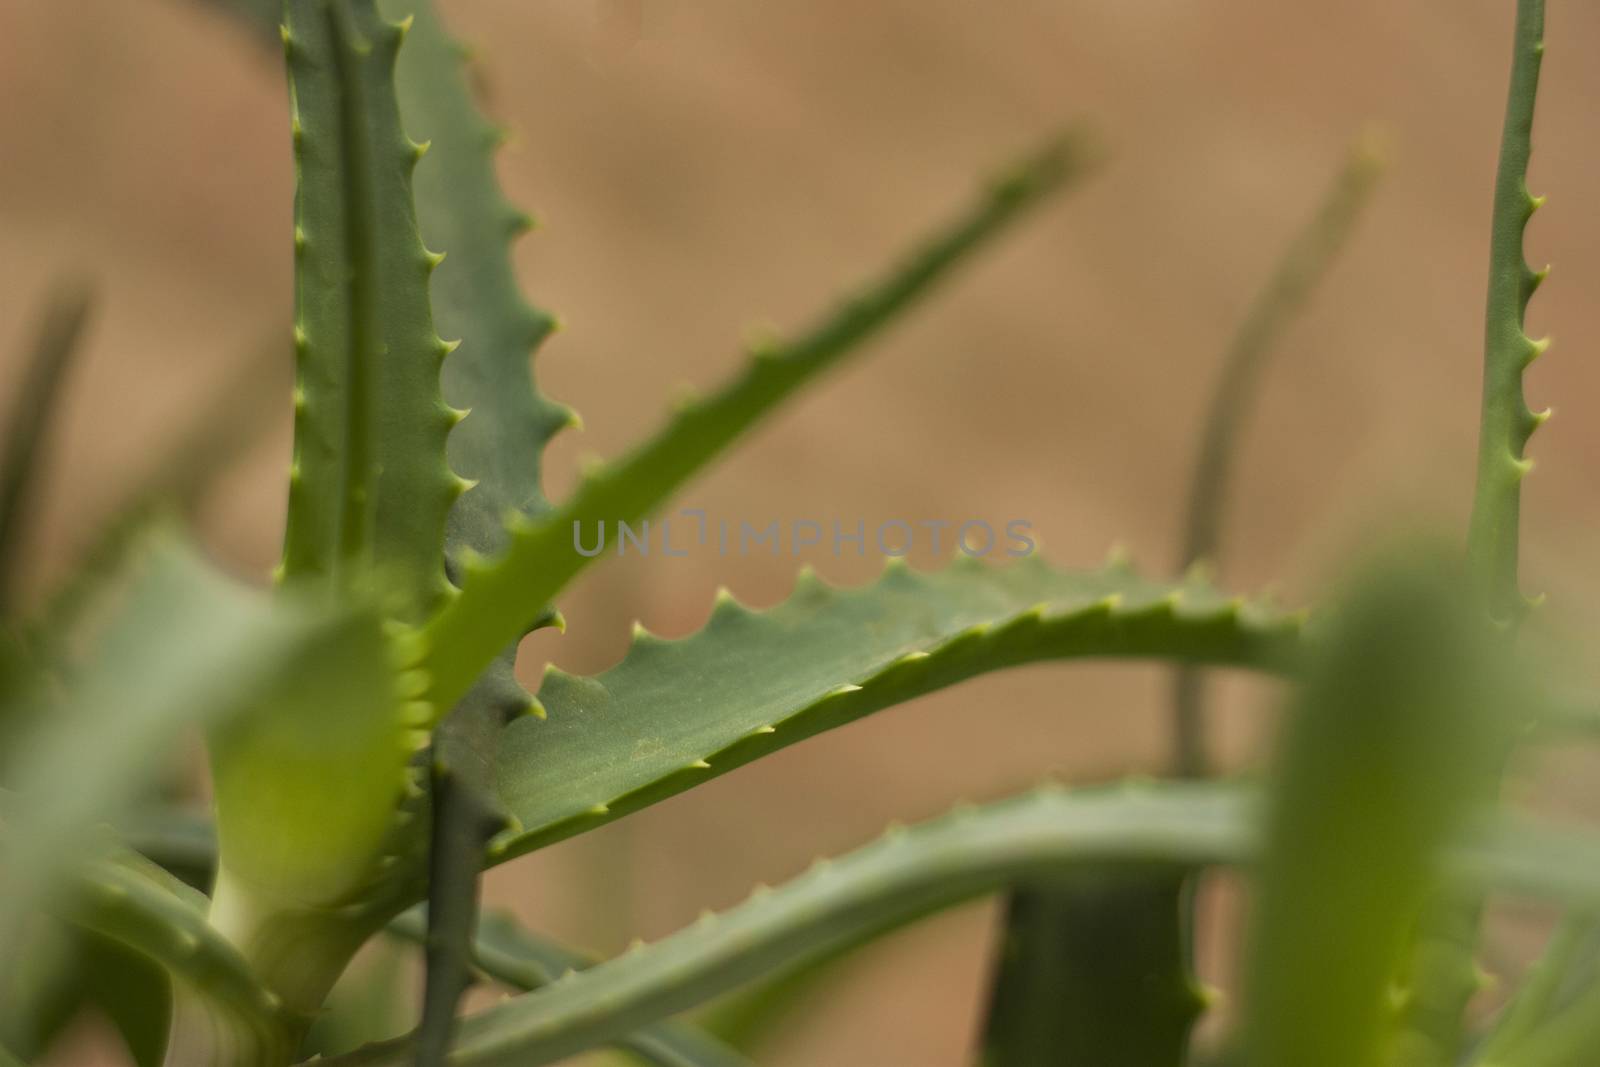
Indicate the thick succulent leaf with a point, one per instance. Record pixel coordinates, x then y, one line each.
28 419
307 782
498 447
463 213
913 872
498 600
1093 969
369 490
1095 972
141 908
184 647
1446 975
512 956
1389 748
673 714
1506 422
907 874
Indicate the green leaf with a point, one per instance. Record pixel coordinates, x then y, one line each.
497 447
498 600
1093 970
913 872
137 906
312 792
673 714
512 956
369 490
1446 975
1506 423
184 647
306 799
1388 749
839 903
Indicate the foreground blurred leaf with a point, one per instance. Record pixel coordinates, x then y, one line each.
1387 750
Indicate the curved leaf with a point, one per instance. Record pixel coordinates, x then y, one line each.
498 599
912 872
138 907
673 714
907 874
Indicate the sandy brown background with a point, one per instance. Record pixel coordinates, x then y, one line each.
703 166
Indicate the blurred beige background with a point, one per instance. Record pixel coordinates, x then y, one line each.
704 166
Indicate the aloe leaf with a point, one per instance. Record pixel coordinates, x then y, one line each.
183 647
1446 976
1093 969
60 328
1388 750
907 874
1506 423
911 873
512 956
311 812
369 490
298 790
139 907
498 599
674 714
498 447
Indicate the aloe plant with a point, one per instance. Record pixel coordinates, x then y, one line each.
371 751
